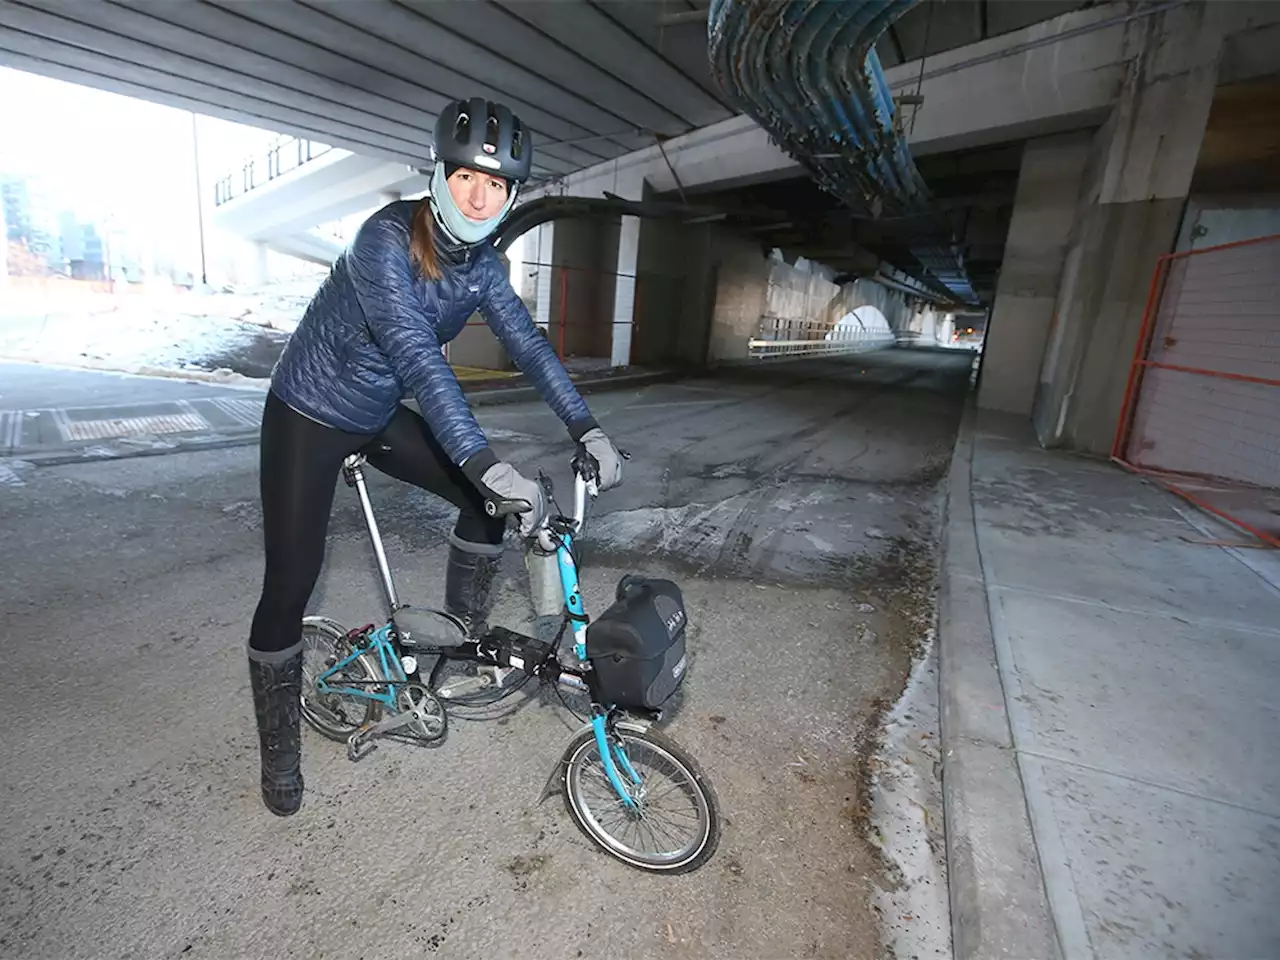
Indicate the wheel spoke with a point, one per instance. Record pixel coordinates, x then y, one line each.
660 845
668 828
671 830
673 787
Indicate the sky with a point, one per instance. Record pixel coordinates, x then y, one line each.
103 153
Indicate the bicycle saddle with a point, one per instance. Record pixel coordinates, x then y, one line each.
427 628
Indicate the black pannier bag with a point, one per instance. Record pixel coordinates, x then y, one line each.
636 647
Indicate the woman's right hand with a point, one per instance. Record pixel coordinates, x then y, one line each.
506 492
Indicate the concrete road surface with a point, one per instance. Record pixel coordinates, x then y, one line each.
32 386
797 506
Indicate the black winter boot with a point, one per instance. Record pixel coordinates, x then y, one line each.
469 582
276 679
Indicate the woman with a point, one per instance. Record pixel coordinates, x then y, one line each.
407 284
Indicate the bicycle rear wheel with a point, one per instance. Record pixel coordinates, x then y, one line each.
334 715
674 826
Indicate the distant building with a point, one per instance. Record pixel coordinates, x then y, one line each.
4 246
29 219
83 253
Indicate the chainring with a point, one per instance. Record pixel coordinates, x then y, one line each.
430 722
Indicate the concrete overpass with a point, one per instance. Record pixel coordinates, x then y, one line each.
1044 131
597 82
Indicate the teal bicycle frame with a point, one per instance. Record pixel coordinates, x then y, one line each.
611 754
388 663
383 643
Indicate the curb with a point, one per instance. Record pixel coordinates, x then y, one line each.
103 450
999 907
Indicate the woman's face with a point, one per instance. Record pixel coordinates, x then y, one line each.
478 195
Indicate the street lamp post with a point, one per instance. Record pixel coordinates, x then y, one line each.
195 148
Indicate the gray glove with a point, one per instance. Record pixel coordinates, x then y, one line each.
502 482
606 455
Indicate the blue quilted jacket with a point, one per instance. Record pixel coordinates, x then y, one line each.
375 328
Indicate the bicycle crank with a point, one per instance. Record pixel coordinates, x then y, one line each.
420 712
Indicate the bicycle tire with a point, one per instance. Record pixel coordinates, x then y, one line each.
691 856
329 634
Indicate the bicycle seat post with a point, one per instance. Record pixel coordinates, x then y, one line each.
353 473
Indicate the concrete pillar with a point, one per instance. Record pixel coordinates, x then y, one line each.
1135 188
1044 211
261 269
628 262
624 297
546 237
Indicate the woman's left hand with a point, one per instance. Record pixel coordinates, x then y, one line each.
606 455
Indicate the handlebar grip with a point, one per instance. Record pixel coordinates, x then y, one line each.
505 508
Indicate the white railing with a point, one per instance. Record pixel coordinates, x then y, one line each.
798 338
283 155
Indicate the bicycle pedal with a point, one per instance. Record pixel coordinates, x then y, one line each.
359 746
463 686
497 675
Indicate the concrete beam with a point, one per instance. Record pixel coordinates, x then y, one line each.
1013 91
1062 85
407 44
445 65
521 42
737 149
580 25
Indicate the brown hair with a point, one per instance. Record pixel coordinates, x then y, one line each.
422 247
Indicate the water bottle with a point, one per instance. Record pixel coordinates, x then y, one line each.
545 589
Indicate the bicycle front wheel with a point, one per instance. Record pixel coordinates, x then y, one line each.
674 825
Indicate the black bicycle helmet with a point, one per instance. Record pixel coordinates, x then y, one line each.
484 135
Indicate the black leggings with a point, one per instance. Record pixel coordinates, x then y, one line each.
300 463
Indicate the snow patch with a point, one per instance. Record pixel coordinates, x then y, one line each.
823 545
907 817
667 529
151 333
11 471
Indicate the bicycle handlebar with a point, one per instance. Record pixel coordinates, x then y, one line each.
585 485
585 473
499 507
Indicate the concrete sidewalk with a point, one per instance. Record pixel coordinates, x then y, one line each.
1109 714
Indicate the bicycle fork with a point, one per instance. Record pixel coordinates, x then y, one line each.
612 756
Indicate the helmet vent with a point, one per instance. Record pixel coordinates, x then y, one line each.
462 127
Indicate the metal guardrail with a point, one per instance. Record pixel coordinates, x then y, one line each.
801 338
282 156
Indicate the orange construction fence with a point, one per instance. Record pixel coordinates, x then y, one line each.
1201 410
